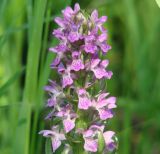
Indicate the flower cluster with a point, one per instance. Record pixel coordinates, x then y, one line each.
79 63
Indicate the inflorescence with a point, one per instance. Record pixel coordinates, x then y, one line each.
77 112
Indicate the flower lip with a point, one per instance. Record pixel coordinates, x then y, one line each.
56 136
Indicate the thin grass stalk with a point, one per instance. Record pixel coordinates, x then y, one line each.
11 48
16 45
31 80
40 87
126 136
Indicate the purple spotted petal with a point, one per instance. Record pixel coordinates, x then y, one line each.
105 47
90 145
96 128
94 15
55 144
99 73
49 116
104 63
90 48
77 65
102 37
55 62
60 113
102 96
51 102
109 74
47 133
81 91
58 34
61 68
102 19
108 135
55 135
67 12
84 103
76 7
105 114
67 80
110 102
59 21
73 36
95 62
89 38
68 125
88 133
75 54
59 48
111 146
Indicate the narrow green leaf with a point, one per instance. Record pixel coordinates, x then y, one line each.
2 9
31 78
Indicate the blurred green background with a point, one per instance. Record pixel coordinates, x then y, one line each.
25 36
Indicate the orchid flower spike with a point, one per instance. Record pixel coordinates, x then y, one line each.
79 107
